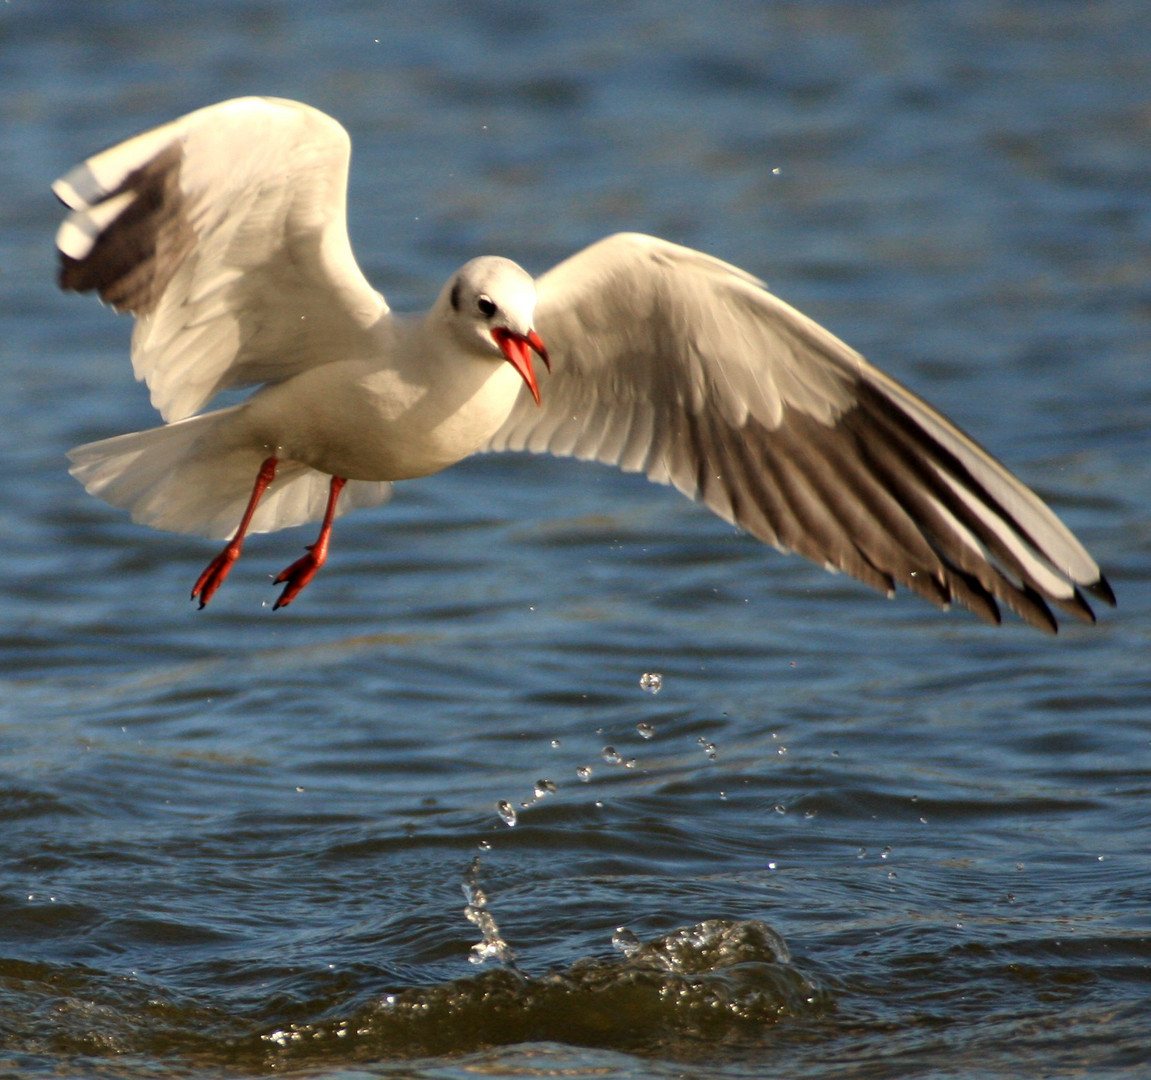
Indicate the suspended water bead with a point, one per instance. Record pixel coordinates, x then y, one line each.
544 787
584 773
651 682
646 731
507 812
609 754
625 941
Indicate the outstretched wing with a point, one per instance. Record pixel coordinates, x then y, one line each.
225 234
672 363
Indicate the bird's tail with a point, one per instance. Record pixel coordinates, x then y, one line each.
195 476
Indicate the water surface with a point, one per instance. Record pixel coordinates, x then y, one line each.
848 837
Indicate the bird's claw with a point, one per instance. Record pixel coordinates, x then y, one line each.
296 576
214 574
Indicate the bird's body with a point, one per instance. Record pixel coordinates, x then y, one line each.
382 418
224 233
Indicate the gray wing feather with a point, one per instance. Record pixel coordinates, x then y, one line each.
224 233
672 363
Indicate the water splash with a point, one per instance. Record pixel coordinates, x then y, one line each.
492 945
679 995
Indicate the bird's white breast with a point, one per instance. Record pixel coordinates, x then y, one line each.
366 422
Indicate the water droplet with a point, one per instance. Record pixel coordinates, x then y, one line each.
885 852
708 747
809 814
781 751
625 941
891 875
507 812
861 853
476 912
723 796
771 866
1019 866
544 787
651 682
555 744
779 808
584 773
835 753
646 731
484 845
608 753
630 763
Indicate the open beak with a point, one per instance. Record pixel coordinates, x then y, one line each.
518 350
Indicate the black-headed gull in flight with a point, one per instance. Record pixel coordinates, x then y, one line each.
224 233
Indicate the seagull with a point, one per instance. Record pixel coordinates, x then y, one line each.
224 233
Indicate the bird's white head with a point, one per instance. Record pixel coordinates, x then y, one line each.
489 304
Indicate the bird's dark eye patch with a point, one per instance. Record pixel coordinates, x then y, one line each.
487 306
456 295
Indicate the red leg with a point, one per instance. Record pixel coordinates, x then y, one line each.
304 569
215 572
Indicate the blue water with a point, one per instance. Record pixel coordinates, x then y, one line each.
864 838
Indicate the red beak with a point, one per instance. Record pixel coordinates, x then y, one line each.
518 350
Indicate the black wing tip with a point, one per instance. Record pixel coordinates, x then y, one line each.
1101 589
134 255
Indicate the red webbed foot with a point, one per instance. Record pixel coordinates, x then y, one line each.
217 570
304 568
215 573
297 576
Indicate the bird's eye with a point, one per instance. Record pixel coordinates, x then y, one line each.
487 306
